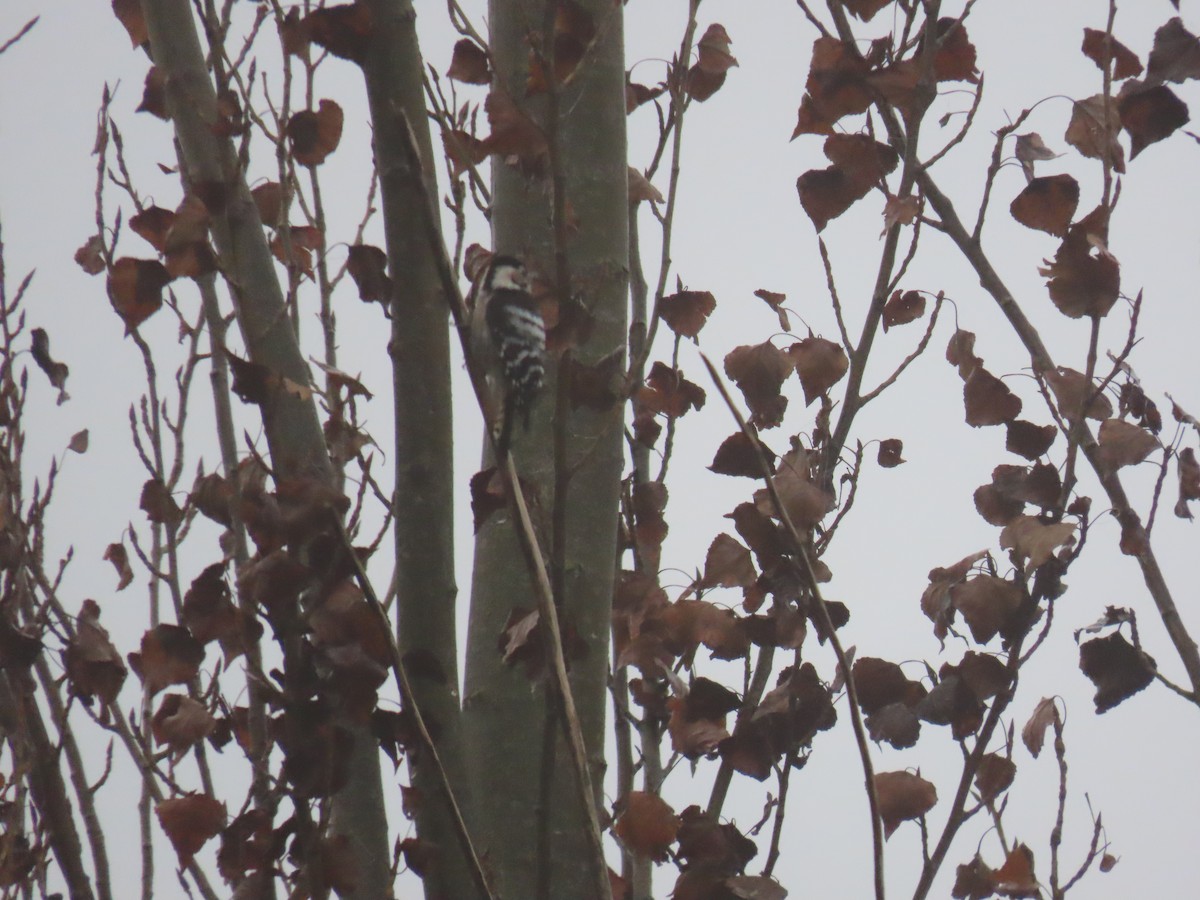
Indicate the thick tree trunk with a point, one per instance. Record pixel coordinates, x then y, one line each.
506 716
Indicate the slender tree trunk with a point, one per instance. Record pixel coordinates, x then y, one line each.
575 454
21 719
424 498
292 428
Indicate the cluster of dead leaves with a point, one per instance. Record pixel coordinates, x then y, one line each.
651 633
994 606
842 81
895 705
760 370
990 605
346 644
976 880
181 236
987 400
346 654
515 137
712 855
135 286
251 846
294 245
859 163
1084 277
1148 110
713 62
666 393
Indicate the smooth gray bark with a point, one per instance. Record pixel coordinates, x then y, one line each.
505 714
426 591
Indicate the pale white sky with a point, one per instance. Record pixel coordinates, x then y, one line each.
739 228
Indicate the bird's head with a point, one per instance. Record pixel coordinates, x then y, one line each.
507 273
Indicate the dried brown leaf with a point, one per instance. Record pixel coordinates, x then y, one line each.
1093 130
987 399
1123 444
190 821
1102 49
647 826
1150 114
759 372
902 308
313 135
1047 204
1176 53
1117 668
1036 541
820 363
902 796
469 63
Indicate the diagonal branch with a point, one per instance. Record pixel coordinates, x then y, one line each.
806 569
1152 574
404 684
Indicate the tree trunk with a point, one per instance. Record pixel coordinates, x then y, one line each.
291 425
424 495
506 716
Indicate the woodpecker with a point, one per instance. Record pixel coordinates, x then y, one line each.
517 336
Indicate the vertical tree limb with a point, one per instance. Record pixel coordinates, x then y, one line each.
423 502
293 431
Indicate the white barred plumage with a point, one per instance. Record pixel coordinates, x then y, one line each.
518 336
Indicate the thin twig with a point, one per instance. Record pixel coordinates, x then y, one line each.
1093 852
679 96
833 296
962 132
1056 833
908 360
25 29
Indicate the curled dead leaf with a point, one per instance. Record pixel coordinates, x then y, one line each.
313 135
647 825
820 363
759 372
469 63
902 796
1047 204
190 821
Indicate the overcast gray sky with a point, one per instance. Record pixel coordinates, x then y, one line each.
739 228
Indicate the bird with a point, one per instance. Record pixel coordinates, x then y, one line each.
512 337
